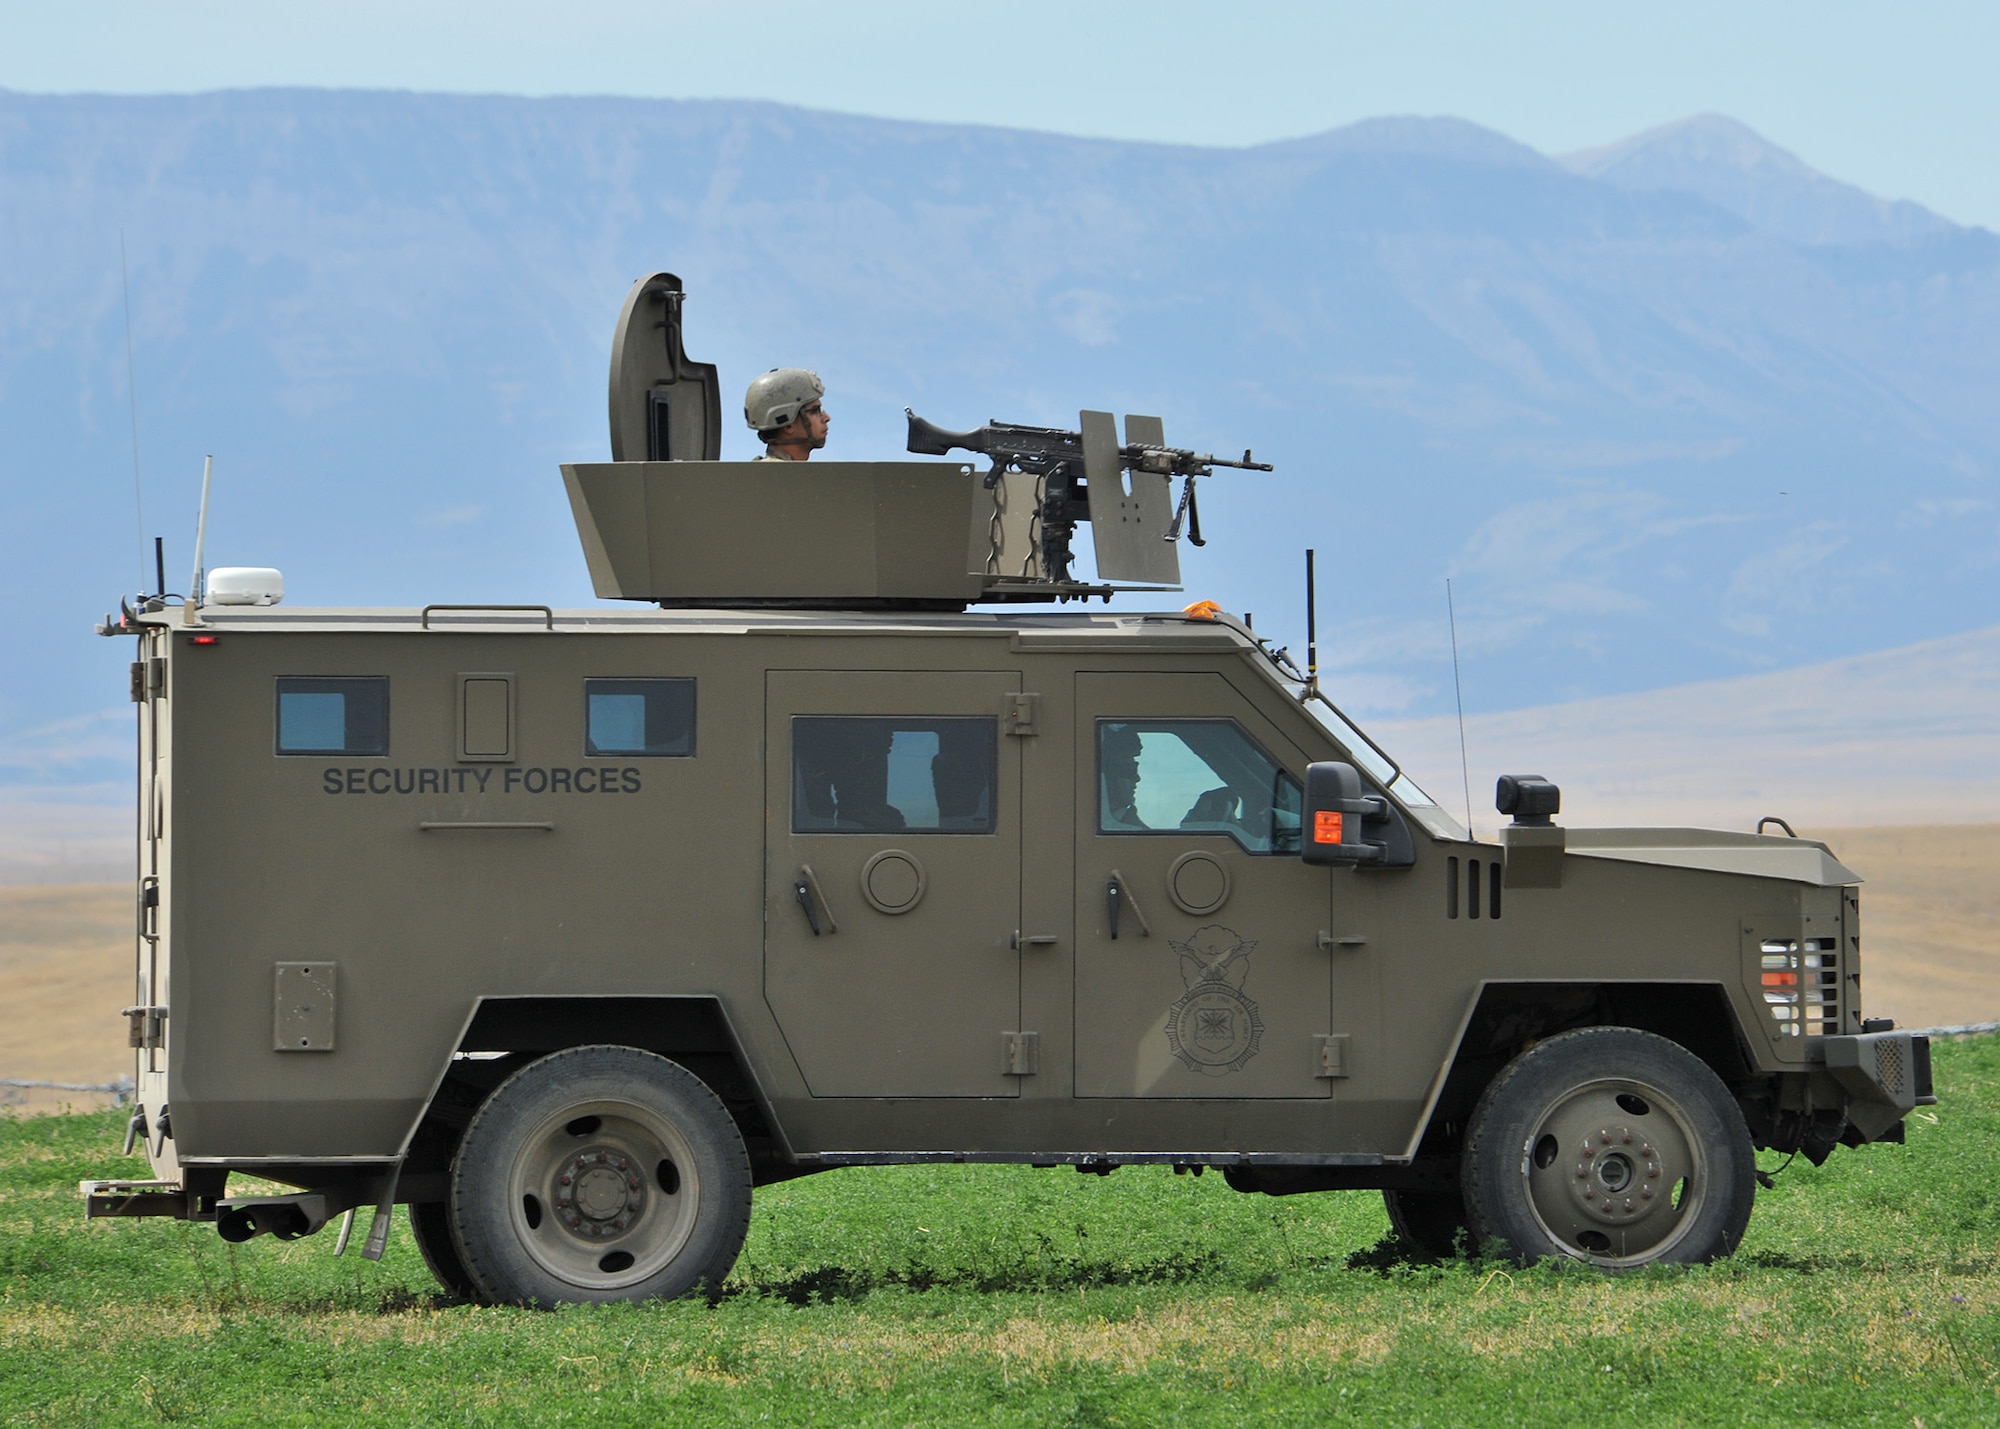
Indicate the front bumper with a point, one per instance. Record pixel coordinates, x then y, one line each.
1885 1074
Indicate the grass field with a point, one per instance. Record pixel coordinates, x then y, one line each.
1867 1292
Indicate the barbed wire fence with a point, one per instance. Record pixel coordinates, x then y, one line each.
1963 1029
120 1090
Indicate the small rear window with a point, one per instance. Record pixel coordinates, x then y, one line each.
635 719
333 716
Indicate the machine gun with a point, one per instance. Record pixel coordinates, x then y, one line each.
1078 476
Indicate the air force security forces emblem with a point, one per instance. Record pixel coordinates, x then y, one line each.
1214 1029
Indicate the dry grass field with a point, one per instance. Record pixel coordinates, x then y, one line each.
65 971
1930 909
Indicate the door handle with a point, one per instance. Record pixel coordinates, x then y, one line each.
1117 895
1033 940
807 888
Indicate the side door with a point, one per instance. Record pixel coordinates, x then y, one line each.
1199 972
893 880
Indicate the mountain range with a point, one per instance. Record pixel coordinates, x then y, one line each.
1675 410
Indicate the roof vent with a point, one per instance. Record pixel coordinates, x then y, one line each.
244 585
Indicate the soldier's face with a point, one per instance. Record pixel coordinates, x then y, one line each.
813 422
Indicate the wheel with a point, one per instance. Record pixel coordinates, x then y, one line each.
1430 1223
599 1173
1612 1146
430 1228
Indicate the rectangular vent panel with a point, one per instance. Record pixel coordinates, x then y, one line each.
1468 888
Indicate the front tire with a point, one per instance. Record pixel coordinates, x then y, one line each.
595 1174
1611 1146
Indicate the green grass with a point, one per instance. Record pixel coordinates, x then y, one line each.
1866 1293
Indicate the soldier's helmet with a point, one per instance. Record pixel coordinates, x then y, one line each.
774 399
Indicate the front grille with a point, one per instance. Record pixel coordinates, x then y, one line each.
1801 979
1889 1066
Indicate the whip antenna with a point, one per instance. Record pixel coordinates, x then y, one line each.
132 401
1464 765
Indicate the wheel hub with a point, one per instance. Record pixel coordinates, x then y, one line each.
599 1192
1618 1176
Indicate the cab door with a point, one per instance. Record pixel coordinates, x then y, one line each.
1199 970
893 880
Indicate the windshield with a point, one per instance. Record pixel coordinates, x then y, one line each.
1376 764
1380 767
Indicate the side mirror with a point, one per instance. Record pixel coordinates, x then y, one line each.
1344 824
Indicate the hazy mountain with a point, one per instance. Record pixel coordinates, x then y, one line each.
1901 736
1731 166
1653 435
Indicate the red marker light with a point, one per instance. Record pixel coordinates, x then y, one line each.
1326 826
204 639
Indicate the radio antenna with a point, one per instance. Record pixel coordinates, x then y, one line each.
193 601
1458 689
1312 631
132 401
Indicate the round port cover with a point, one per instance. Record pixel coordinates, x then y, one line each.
892 881
1198 883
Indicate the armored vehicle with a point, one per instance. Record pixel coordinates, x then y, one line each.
854 838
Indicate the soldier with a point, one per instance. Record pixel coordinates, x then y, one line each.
1118 751
783 407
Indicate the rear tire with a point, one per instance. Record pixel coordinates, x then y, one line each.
1611 1146
1431 1224
596 1174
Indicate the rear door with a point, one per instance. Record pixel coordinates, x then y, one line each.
893 880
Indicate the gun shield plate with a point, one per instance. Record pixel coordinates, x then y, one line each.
1129 526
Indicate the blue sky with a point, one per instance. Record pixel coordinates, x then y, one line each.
1898 99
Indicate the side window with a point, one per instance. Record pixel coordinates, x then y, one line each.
1206 775
328 716
634 719
897 774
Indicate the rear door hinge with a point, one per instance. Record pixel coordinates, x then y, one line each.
145 1026
1023 1051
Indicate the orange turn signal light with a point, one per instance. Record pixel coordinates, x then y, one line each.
1326 826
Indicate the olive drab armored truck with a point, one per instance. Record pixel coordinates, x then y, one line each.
853 838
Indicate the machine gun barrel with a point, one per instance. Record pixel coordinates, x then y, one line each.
1179 461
